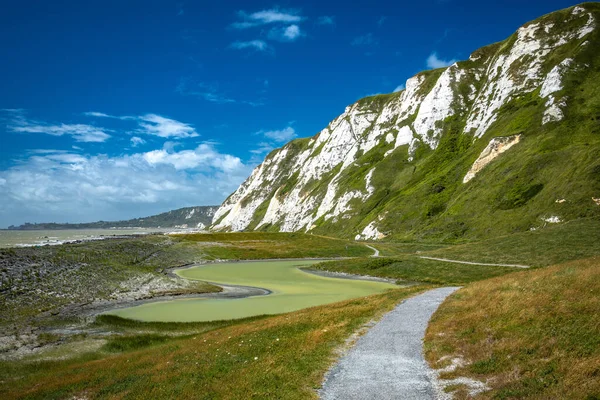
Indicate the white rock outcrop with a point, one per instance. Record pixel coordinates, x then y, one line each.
495 147
370 232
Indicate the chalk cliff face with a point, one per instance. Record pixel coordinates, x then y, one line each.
410 163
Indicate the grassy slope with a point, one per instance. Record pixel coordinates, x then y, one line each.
551 245
533 334
244 360
260 245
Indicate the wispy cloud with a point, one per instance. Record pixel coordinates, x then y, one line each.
281 136
274 138
180 10
211 92
381 21
97 114
18 122
156 125
365 40
326 20
266 17
207 91
80 132
257 44
263 147
433 61
137 141
284 27
399 88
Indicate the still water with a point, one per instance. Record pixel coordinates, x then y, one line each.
292 289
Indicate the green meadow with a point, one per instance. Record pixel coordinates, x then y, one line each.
291 289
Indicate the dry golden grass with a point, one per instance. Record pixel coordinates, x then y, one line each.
283 356
533 334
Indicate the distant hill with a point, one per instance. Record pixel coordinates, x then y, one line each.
188 217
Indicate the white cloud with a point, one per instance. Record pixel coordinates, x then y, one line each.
283 135
381 20
79 132
258 45
62 186
399 88
97 114
136 141
156 125
285 34
263 147
434 62
149 124
326 20
365 40
204 156
266 17
292 32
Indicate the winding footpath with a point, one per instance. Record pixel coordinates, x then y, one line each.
376 252
387 362
474 263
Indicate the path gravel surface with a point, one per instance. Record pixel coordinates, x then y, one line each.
474 263
387 362
376 252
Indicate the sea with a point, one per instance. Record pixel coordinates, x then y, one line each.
16 238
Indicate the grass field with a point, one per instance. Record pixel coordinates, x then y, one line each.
551 245
262 245
292 289
533 334
414 269
282 356
520 331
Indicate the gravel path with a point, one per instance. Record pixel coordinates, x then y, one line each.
387 362
474 263
376 254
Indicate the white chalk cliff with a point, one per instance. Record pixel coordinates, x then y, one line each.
324 179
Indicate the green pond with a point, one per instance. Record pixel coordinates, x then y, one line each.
292 289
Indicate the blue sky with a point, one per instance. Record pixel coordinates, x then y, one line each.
121 109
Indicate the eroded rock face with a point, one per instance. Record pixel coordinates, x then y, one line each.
496 147
321 180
